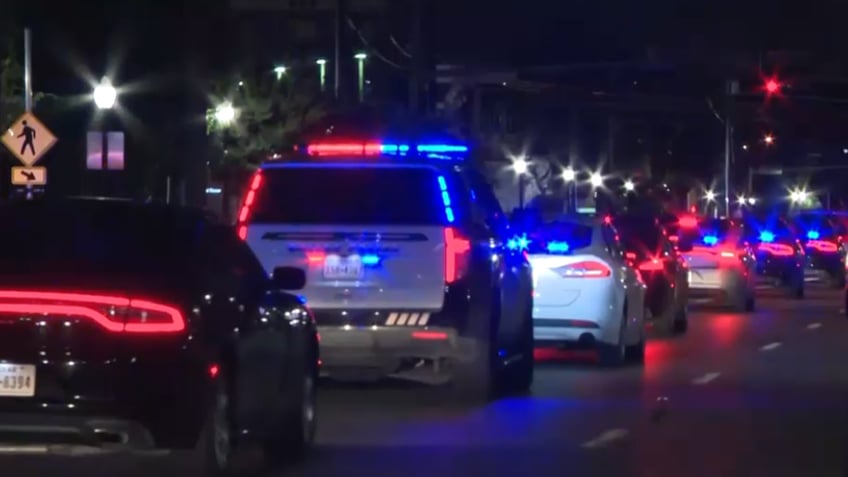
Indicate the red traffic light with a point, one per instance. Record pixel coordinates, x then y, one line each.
772 86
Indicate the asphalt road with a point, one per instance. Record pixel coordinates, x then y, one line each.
739 395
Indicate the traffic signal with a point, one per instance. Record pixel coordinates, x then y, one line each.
772 86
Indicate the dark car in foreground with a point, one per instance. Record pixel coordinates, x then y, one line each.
143 327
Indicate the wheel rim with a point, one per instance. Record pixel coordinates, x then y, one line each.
221 430
308 409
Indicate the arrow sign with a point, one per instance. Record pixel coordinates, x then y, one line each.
29 176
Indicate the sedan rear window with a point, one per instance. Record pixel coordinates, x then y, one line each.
557 237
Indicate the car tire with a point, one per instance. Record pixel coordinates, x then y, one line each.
295 435
213 456
615 355
519 378
680 325
636 353
475 381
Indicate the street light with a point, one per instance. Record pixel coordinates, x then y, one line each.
225 113
769 139
322 72
752 201
105 95
596 180
520 166
360 66
629 186
568 174
279 70
710 196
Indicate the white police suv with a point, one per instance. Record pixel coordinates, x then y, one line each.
408 272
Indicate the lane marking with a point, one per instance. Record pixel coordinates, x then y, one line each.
813 326
771 346
705 378
605 438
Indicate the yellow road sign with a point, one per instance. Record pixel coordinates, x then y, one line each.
29 175
28 139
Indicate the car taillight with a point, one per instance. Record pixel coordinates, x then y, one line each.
584 269
653 265
688 222
116 314
823 246
777 249
457 255
247 205
630 256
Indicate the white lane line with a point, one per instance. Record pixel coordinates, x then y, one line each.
705 378
813 326
771 346
605 438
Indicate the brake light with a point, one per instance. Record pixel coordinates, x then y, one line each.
653 265
585 269
457 254
249 199
315 257
776 249
630 256
727 255
823 246
376 148
688 222
116 314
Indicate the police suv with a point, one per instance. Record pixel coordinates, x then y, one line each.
408 272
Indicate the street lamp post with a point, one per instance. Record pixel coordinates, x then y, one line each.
569 176
105 96
360 65
279 70
520 167
322 72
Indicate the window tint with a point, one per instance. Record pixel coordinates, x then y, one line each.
568 236
97 237
351 195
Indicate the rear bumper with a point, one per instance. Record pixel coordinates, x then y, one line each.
825 264
136 404
411 352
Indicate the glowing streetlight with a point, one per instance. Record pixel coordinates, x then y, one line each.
629 186
769 139
752 201
520 166
710 196
799 195
105 95
360 66
596 180
225 113
742 200
568 174
279 70
322 72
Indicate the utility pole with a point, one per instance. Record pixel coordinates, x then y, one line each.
28 85
339 39
418 58
731 89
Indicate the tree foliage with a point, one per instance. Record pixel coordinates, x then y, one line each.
270 112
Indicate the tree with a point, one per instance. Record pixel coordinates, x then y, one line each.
268 113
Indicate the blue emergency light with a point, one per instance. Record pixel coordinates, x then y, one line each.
766 236
710 240
813 235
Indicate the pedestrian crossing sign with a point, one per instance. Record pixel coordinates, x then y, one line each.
28 139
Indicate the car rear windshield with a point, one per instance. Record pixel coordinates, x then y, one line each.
84 237
559 237
351 195
815 226
638 233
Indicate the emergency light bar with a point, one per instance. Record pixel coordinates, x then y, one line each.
374 148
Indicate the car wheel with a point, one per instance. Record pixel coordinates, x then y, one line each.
215 450
681 321
519 377
636 353
614 355
475 380
295 435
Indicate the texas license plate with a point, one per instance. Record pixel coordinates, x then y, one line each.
17 380
343 268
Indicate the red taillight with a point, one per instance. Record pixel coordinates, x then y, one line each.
653 265
315 257
777 249
630 256
247 205
585 269
673 238
688 222
113 313
429 335
457 253
823 246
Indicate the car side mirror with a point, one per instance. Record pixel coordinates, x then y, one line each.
288 278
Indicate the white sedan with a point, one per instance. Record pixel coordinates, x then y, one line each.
586 294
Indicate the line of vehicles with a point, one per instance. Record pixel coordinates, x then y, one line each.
142 327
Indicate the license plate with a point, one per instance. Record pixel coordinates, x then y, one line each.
17 380
343 268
